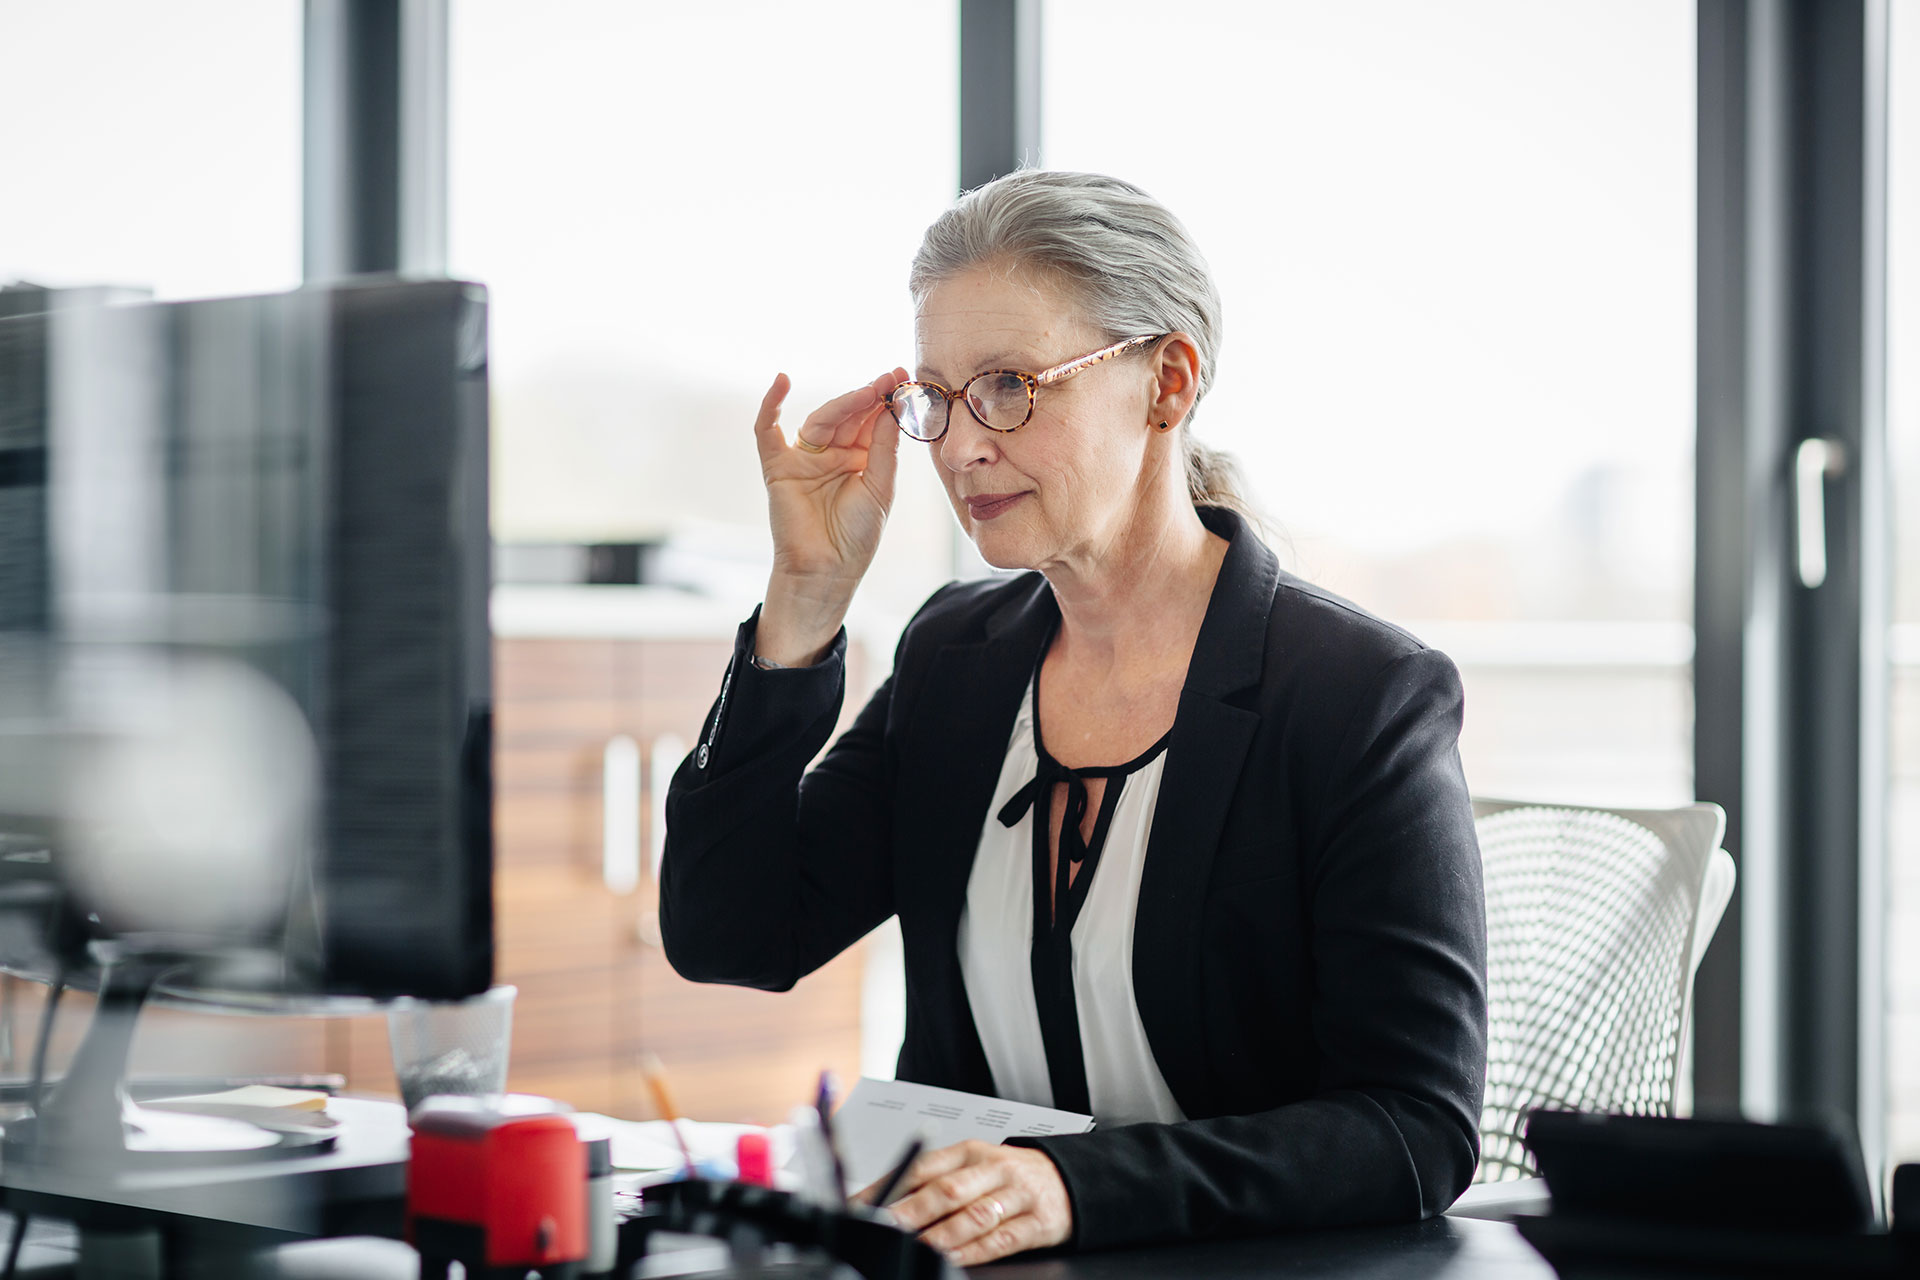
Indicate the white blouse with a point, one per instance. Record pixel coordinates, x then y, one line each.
1124 1084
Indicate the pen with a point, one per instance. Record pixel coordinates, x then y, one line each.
655 1075
823 1103
898 1174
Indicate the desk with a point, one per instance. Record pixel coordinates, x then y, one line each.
250 1220
356 1187
227 1217
1456 1249
1449 1248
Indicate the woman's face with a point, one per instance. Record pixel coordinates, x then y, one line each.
1063 488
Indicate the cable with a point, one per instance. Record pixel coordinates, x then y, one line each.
20 1223
41 1043
36 1091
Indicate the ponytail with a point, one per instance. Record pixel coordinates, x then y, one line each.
1214 479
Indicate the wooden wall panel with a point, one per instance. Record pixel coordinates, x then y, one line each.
594 994
732 1053
357 1048
739 1054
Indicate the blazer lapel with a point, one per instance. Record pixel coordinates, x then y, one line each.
957 744
1205 755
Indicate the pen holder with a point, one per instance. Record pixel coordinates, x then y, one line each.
749 1217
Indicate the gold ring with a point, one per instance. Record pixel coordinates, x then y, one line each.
800 441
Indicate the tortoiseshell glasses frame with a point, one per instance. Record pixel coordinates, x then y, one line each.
1032 382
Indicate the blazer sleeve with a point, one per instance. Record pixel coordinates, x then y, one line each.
1399 1013
771 870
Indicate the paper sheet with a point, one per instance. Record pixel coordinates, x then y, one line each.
266 1097
880 1117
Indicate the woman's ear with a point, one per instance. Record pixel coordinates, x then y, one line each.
1176 380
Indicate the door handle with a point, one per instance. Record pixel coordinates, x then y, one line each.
1814 463
664 755
620 814
663 758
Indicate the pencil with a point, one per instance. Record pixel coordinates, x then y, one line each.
655 1074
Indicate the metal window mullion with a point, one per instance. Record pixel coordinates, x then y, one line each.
424 103
999 88
1721 501
1790 680
1000 93
375 137
1874 507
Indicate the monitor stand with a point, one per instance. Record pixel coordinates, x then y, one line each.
89 1120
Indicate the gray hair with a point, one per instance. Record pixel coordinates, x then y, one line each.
1125 259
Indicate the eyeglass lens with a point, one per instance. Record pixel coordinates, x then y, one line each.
921 412
999 400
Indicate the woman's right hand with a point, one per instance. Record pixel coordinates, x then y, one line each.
826 510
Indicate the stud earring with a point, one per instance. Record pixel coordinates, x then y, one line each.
1164 426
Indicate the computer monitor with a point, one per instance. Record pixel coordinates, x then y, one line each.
245 671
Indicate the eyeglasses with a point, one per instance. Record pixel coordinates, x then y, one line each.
998 399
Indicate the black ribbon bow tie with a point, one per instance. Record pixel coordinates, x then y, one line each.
1049 773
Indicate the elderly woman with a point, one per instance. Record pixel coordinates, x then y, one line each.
1174 837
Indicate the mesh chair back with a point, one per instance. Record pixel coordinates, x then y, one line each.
1595 922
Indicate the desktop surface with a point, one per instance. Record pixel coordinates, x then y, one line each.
1456 1249
354 1188
1450 1247
336 1214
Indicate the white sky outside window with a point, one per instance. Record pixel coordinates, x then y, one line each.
1903 306
1903 437
150 144
1456 247
670 204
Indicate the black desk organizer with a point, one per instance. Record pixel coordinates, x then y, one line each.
749 1218
1579 1246
1660 1196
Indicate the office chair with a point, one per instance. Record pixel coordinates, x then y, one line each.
1596 921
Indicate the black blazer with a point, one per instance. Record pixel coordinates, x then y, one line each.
1310 945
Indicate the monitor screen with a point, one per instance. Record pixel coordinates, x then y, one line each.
245 675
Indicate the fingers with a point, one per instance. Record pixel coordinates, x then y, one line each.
838 422
1016 1235
766 427
975 1220
941 1181
846 421
963 1194
882 443
976 1202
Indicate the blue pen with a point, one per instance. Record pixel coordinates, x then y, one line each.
823 1103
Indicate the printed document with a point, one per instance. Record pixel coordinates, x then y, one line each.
880 1117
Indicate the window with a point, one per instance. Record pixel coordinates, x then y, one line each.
662 233
670 204
164 155
1903 437
1456 248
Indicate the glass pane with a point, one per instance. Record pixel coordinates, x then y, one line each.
662 233
1456 247
157 147
670 204
1903 435
153 145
